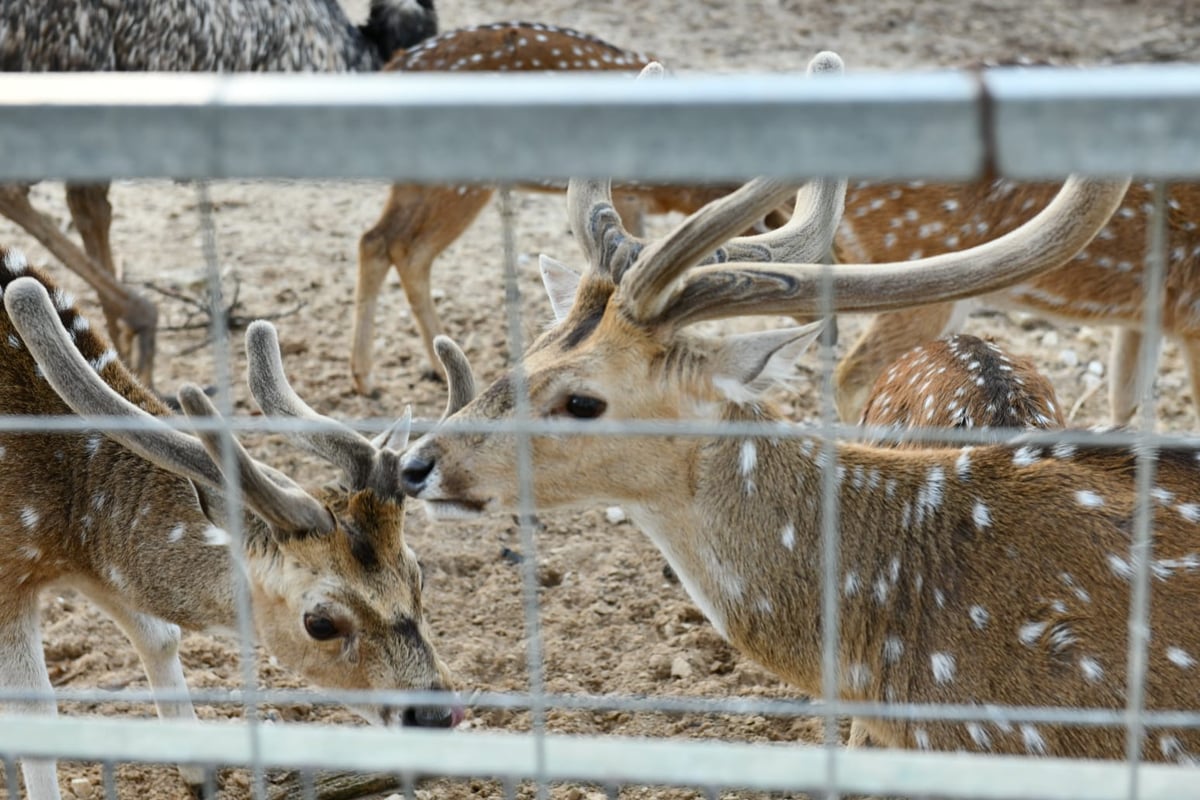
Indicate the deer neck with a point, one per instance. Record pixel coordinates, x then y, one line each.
746 545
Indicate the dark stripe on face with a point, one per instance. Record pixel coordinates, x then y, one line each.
584 329
363 550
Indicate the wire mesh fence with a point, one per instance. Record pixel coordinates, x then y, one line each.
946 126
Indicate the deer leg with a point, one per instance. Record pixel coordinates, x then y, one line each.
1124 388
138 316
23 667
632 212
157 644
373 266
418 223
92 214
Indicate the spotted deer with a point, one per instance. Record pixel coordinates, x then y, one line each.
999 575
961 382
138 521
1101 285
420 221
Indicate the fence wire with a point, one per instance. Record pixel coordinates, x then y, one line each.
541 760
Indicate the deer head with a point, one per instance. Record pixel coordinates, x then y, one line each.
336 591
621 349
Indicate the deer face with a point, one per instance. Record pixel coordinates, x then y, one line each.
595 365
344 609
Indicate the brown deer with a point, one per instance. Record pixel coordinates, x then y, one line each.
138 521
961 382
1102 285
420 221
1002 576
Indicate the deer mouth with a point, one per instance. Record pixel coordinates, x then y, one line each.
443 508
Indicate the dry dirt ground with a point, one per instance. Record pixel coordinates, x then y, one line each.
611 622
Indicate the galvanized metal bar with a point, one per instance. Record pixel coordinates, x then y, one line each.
596 759
480 127
1140 120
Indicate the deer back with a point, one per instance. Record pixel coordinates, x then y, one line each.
961 382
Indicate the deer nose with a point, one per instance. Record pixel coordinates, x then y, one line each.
414 472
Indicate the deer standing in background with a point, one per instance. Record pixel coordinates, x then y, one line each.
176 36
961 382
992 575
137 521
1102 285
420 220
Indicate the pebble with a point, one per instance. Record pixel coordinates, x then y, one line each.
680 668
1096 368
615 515
1050 339
82 788
1069 357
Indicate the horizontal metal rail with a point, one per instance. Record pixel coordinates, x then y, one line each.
440 127
600 759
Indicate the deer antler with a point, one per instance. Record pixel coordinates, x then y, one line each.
276 499
808 235
1077 213
365 464
459 379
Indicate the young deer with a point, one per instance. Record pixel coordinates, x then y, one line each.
1102 285
420 221
961 382
993 575
137 521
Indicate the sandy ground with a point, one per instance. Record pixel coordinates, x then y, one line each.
612 623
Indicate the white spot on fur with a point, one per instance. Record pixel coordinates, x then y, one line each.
176 533
1120 567
29 517
921 736
979 616
943 666
1180 657
1032 737
981 515
104 359
962 465
1026 456
749 457
217 537
15 263
858 675
1088 499
893 649
850 584
1091 669
979 736
1030 632
788 537
881 591
1189 511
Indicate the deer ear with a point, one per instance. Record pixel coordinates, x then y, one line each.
750 363
561 282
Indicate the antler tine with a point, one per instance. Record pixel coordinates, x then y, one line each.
607 245
282 503
808 235
80 386
1077 213
336 443
460 380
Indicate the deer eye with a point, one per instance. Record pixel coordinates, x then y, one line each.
320 628
581 406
